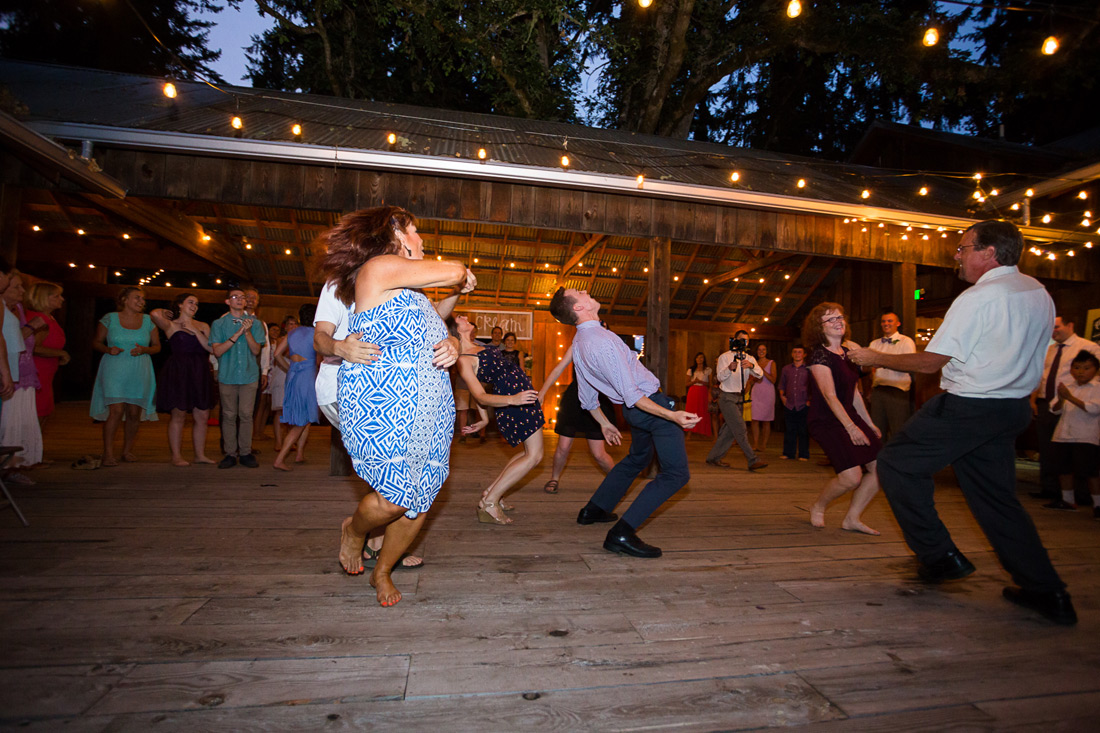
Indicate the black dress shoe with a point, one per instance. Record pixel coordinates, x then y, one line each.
1054 605
227 462
952 566
621 538
591 514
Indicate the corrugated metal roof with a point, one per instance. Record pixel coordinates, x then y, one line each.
57 93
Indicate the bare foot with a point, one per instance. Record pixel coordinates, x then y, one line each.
108 462
351 549
204 459
858 526
180 462
388 595
129 457
300 459
817 517
281 466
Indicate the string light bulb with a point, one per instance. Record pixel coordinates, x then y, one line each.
977 176
866 194
236 123
565 161
169 90
125 235
644 3
1029 193
1046 218
931 37
923 191
36 228
1082 195
391 138
802 183
482 154
735 177
1050 47
80 232
794 9
641 180
296 130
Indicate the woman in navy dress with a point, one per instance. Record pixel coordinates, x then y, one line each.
296 357
185 384
838 419
519 414
396 413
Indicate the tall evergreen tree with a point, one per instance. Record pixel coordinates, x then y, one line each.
116 35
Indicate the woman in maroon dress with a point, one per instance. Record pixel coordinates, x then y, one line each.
838 419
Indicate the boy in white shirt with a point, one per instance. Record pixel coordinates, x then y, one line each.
1076 440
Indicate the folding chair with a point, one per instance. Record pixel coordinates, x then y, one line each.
6 454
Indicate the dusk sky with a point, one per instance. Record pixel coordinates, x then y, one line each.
232 34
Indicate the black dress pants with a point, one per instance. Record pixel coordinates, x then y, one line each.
976 437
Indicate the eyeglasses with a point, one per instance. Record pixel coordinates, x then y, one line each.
834 319
964 246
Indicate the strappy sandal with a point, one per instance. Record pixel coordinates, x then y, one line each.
484 517
551 487
370 559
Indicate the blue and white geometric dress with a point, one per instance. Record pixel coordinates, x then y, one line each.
397 414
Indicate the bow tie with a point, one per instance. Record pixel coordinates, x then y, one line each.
888 340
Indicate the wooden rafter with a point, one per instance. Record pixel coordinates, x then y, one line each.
745 310
175 227
813 288
592 277
788 286
677 284
750 266
578 256
623 277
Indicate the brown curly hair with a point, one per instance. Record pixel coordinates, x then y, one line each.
813 330
360 236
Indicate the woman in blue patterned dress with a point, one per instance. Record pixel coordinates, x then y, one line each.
519 414
396 413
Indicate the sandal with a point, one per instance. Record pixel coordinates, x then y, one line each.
551 487
484 517
370 559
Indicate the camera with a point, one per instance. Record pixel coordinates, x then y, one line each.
739 345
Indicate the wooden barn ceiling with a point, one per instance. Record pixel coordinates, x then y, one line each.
516 267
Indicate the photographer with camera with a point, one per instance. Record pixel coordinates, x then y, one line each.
734 369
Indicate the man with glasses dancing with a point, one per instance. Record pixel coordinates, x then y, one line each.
991 347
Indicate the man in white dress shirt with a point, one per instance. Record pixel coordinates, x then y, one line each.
1055 371
890 388
733 371
990 348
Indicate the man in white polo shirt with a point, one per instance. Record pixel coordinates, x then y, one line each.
990 347
890 388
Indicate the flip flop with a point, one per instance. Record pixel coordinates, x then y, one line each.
86 463
551 487
371 559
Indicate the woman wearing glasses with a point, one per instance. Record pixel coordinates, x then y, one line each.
838 419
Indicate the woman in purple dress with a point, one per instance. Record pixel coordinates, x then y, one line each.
185 383
838 419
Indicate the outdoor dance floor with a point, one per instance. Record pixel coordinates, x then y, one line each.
147 597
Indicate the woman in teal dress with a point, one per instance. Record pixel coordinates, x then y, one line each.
125 388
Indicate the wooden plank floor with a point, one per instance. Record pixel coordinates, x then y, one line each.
148 597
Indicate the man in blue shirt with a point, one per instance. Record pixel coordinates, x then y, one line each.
794 382
236 339
601 361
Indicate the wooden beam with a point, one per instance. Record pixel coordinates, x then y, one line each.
578 256
787 287
811 291
750 266
176 228
656 332
107 252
